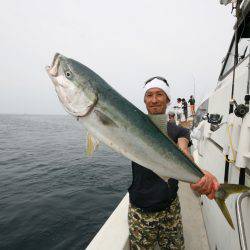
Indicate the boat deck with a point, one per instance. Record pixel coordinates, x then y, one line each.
194 229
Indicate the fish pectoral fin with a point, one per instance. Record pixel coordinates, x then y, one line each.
105 119
92 144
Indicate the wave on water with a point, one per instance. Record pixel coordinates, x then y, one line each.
51 195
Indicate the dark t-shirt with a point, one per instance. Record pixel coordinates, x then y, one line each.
191 101
148 191
184 105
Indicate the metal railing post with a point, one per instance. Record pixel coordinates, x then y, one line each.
240 222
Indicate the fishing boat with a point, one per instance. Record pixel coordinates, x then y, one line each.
221 138
223 141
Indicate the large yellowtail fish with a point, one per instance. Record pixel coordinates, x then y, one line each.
113 120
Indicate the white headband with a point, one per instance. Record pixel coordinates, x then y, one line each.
156 83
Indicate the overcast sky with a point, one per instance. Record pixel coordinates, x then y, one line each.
125 42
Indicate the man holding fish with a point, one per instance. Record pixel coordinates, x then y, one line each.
154 210
148 141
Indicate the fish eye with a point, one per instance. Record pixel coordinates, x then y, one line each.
68 74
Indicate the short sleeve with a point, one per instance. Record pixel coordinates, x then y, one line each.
175 132
184 133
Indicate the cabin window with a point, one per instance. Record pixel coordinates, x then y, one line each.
230 59
201 111
243 44
243 48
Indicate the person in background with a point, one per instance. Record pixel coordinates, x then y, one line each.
154 214
191 102
185 108
171 116
179 110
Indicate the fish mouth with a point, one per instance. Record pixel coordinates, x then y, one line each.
53 69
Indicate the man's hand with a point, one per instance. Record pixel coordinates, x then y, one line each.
207 185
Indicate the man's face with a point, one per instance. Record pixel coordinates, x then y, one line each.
156 101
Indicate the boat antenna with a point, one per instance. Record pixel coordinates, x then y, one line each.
194 84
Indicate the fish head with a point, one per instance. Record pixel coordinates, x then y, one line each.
73 85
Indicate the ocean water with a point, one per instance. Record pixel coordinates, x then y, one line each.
52 196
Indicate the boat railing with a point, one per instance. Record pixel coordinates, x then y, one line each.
240 221
114 233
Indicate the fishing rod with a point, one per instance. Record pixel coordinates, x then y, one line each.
235 6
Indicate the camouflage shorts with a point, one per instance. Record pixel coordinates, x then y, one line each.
165 227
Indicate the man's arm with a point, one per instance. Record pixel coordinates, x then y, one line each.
183 145
208 184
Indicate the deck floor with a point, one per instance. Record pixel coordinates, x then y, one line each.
194 229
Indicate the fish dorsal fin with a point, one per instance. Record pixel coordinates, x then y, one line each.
92 144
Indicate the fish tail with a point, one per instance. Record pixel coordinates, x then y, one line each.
221 195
